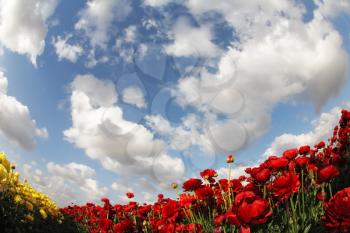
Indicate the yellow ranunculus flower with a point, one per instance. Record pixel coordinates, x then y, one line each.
43 213
3 173
18 199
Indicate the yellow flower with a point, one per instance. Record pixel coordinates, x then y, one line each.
29 218
3 172
18 199
43 213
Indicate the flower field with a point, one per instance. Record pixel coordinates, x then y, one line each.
306 189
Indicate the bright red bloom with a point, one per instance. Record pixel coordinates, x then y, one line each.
263 175
208 174
186 199
304 150
291 153
130 195
285 185
250 209
170 211
337 216
192 184
327 173
276 163
204 193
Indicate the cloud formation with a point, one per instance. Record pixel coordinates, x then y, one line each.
16 124
25 34
122 146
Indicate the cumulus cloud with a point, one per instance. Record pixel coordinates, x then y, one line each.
23 25
122 146
64 50
134 96
156 3
67 183
96 18
16 124
192 41
277 59
333 8
323 129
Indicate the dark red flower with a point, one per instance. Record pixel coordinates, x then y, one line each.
337 214
285 185
301 161
327 173
130 195
192 184
304 150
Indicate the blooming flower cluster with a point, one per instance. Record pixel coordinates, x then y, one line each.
23 194
288 193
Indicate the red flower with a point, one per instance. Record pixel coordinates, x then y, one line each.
263 175
327 173
130 195
304 150
249 209
170 211
337 214
276 163
285 185
192 184
186 200
230 159
291 153
321 196
320 145
208 174
301 161
204 193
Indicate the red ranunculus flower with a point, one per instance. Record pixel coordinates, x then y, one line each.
276 163
263 175
204 193
249 209
130 195
327 173
291 153
192 184
337 214
304 150
208 174
285 185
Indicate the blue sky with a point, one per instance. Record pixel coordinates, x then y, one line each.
103 97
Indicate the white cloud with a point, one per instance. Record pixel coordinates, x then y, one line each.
333 8
134 96
278 59
156 3
97 17
192 41
16 123
66 184
65 50
323 129
23 25
122 146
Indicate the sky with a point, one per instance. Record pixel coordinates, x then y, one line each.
102 97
